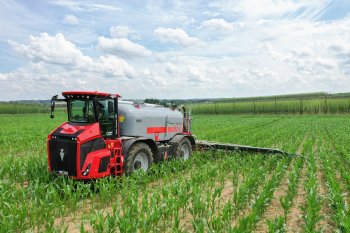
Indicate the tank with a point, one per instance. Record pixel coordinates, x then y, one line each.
150 121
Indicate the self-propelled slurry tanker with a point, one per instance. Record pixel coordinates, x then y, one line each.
106 136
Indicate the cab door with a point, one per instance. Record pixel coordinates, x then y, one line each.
107 118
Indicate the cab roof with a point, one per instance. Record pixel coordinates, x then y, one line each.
88 93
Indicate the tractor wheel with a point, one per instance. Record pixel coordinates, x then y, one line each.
139 156
184 149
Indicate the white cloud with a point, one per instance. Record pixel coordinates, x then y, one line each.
112 66
57 51
84 6
178 74
119 31
71 20
3 77
218 24
176 35
51 49
270 9
122 47
123 32
262 58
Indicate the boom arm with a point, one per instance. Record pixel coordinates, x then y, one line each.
204 145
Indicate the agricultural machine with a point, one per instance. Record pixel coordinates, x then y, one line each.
107 136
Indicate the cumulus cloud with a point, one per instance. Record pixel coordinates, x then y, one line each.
177 36
217 24
56 50
112 66
51 49
119 31
70 20
3 77
84 6
177 73
264 57
122 47
271 9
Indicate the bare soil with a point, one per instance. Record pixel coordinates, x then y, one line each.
294 221
274 209
74 220
249 207
226 195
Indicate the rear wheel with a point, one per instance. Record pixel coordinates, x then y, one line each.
139 156
184 150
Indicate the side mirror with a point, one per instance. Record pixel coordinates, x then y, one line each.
53 106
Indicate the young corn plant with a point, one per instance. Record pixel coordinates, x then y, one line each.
248 223
293 181
338 204
313 203
277 225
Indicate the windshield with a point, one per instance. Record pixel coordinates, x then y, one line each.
81 111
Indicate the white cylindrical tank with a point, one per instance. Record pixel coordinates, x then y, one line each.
150 121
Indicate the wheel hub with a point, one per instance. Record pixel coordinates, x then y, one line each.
137 165
141 161
185 151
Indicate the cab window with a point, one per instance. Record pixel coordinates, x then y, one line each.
81 111
106 117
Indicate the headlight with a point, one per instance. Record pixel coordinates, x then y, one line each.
87 170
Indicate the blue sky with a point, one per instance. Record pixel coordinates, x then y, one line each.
174 49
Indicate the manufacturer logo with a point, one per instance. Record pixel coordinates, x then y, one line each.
62 154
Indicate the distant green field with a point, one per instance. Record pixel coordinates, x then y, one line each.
22 108
314 105
307 103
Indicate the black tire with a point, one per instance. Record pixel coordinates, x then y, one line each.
184 149
139 156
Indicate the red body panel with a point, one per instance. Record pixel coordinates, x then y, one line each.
162 129
71 129
89 132
94 158
93 93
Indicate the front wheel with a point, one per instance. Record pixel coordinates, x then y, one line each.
138 157
184 149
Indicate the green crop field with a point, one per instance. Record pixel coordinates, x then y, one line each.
211 192
318 103
23 108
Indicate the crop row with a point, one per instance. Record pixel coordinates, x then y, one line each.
22 108
293 106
